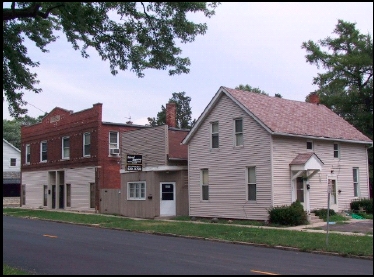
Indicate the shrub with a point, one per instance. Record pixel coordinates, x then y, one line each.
365 203
322 213
292 215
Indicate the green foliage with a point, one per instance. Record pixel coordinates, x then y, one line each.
183 112
365 203
132 36
252 89
12 128
346 86
292 215
322 213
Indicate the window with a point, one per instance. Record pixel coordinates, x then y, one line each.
43 151
356 186
204 180
45 195
86 144
68 195
238 132
92 195
136 190
336 150
27 157
65 147
215 135
309 145
13 161
113 140
251 181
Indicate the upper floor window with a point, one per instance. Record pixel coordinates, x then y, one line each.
356 184
65 147
309 145
204 180
86 144
43 151
238 132
13 161
251 183
136 190
27 153
215 141
113 143
336 150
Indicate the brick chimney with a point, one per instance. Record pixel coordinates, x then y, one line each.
171 114
314 98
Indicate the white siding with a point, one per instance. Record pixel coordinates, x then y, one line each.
8 153
34 182
285 149
79 178
227 166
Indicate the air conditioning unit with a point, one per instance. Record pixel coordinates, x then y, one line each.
114 151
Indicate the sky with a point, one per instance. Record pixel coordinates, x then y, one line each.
254 43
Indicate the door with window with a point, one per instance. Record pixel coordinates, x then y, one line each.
300 191
332 191
167 202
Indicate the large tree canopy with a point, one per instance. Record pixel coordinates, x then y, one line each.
346 86
183 112
255 90
131 35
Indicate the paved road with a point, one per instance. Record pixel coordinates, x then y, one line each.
57 248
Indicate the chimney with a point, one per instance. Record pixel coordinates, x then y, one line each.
171 114
314 98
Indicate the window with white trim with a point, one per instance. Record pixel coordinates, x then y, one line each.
238 132
27 153
113 140
215 138
136 190
43 151
65 147
336 150
87 144
356 183
204 181
13 161
251 184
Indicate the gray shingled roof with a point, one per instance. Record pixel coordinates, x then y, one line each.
296 118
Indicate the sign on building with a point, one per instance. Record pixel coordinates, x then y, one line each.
134 162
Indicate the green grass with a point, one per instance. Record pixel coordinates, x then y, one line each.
8 270
224 230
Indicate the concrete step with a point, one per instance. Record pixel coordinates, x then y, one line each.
312 218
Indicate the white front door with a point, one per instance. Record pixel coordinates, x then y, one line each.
332 193
301 192
167 202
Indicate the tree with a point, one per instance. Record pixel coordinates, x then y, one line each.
131 35
12 128
255 90
346 86
183 112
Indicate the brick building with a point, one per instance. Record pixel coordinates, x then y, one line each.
68 157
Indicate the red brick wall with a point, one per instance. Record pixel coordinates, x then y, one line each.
60 123
68 124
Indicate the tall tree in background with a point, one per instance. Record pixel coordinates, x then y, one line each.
183 112
346 86
255 90
12 128
131 35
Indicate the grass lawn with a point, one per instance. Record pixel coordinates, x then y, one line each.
223 230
